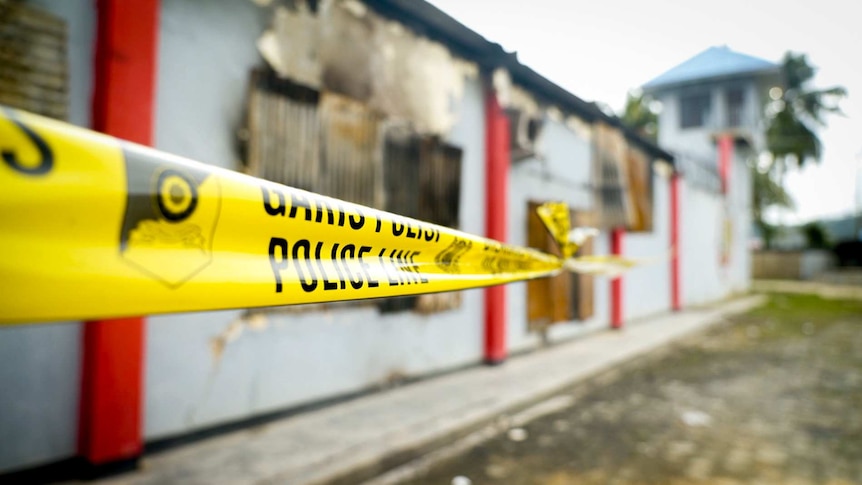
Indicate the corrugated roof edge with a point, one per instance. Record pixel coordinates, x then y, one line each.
659 88
712 64
426 19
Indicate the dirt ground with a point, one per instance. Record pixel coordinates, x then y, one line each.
774 396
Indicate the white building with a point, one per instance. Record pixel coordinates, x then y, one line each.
341 89
715 100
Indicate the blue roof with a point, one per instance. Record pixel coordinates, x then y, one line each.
711 63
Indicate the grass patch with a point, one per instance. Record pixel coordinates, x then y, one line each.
800 307
797 315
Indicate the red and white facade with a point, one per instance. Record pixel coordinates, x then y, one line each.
173 74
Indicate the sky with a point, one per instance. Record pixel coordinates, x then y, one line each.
599 50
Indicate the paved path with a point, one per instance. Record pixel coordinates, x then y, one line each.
772 398
368 434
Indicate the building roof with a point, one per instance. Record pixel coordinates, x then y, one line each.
713 63
428 20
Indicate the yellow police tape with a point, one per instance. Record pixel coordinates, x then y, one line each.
92 227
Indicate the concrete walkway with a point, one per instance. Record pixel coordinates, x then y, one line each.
359 438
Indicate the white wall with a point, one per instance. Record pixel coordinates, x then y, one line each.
40 382
646 288
703 215
206 52
702 277
285 359
740 201
698 140
561 172
692 141
40 364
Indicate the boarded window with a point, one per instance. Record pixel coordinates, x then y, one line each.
33 60
323 143
560 298
423 177
610 176
622 177
641 191
423 181
694 110
336 146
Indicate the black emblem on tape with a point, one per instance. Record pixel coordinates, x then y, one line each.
171 214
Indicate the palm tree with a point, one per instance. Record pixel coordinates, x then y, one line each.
767 193
791 132
640 115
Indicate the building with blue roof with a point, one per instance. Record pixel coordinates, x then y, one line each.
712 121
716 91
713 64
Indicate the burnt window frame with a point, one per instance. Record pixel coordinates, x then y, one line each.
409 155
432 198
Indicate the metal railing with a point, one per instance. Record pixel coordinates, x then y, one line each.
699 171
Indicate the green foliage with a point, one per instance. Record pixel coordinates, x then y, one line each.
795 316
790 134
767 231
816 236
639 116
800 308
767 192
787 135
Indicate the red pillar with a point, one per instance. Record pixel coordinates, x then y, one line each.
497 158
617 283
675 296
110 422
725 160
109 429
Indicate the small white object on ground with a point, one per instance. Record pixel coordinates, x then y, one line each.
517 434
696 418
461 480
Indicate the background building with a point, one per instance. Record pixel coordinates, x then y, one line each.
712 120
